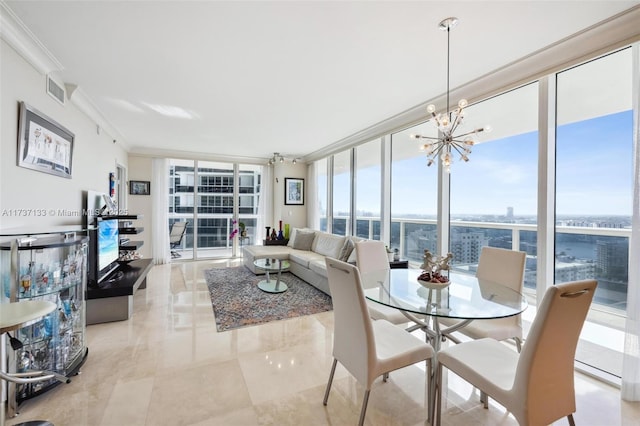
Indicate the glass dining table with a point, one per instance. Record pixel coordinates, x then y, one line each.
465 298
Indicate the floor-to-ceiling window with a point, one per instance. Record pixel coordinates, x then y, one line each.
368 177
202 193
414 195
341 192
594 151
493 199
321 211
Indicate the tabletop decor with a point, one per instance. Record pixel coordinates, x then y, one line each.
435 269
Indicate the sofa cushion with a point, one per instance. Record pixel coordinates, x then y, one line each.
303 257
346 250
319 267
262 252
352 256
294 232
328 244
304 240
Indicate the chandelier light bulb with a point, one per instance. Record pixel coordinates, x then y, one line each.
487 128
431 109
463 103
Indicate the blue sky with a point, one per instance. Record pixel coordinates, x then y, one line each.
593 175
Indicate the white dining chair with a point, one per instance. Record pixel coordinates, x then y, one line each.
371 257
505 267
537 385
366 348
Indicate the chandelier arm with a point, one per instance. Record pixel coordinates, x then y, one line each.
456 122
429 137
457 148
438 150
470 133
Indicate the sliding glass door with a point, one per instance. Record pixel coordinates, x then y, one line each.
205 194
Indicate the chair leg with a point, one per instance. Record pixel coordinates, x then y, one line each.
570 418
365 401
385 377
326 392
437 397
430 385
518 344
484 398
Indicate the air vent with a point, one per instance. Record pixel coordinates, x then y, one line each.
55 90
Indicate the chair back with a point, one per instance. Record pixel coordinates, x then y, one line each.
544 376
502 266
177 232
353 340
371 256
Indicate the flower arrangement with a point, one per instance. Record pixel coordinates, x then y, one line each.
235 230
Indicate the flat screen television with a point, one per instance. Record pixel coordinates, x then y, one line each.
106 246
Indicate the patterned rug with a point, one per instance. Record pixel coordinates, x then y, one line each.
238 302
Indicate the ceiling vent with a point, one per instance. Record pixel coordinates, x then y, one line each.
55 90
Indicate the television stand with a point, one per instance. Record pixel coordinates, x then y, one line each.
117 276
113 300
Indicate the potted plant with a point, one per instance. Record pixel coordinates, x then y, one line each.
243 229
389 253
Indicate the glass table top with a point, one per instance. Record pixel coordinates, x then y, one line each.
272 264
466 297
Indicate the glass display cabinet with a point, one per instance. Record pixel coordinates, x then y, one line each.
52 266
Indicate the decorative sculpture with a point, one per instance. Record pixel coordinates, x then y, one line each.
434 268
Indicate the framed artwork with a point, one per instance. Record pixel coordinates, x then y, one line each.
139 187
43 144
294 191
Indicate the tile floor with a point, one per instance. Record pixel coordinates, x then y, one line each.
168 365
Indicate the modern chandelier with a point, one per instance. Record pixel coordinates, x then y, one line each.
448 122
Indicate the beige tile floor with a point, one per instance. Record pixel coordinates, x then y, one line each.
168 365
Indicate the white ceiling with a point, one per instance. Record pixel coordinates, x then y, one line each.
245 79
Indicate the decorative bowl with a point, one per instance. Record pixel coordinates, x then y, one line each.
437 285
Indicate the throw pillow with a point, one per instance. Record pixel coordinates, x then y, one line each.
347 248
304 240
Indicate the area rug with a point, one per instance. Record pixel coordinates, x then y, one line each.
238 302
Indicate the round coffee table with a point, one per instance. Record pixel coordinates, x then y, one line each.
272 265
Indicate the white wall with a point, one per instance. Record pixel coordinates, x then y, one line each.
140 168
94 155
296 216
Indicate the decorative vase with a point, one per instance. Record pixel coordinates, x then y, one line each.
267 237
286 231
274 236
280 234
243 234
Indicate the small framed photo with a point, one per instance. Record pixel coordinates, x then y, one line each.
44 144
139 187
294 191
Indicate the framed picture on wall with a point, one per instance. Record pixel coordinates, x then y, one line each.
139 187
294 191
43 144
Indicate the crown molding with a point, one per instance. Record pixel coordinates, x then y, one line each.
15 33
192 155
18 36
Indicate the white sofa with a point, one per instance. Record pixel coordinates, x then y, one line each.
306 255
